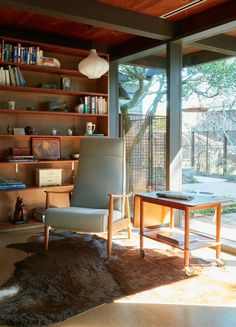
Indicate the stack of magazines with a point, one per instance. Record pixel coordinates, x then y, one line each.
22 158
11 184
39 214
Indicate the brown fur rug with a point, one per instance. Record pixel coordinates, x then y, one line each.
74 276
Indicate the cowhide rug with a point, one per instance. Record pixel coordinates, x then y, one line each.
74 276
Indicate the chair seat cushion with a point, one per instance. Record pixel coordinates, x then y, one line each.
79 218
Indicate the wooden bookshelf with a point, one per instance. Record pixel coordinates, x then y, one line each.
42 120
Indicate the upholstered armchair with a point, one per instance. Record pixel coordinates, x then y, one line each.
98 202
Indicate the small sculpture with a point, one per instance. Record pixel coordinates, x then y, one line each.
20 214
54 132
29 130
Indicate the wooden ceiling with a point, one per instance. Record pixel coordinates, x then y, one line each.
120 27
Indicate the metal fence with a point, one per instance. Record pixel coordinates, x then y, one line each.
210 152
145 151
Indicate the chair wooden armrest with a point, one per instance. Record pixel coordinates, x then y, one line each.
120 195
121 224
48 192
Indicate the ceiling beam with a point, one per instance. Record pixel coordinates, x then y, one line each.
150 61
201 57
218 20
225 44
191 59
133 49
91 12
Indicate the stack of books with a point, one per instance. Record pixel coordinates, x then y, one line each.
11 184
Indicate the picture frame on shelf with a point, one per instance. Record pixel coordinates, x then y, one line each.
66 84
46 148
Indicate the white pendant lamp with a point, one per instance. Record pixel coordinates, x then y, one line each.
93 66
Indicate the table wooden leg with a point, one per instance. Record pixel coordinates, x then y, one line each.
186 236
141 227
218 230
172 222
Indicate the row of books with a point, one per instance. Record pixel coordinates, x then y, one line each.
11 184
11 76
94 105
23 54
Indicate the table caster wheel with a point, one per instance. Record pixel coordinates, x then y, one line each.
142 253
189 271
220 262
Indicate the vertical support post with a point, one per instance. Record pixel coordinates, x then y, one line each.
218 230
207 152
113 101
192 149
174 117
224 154
150 154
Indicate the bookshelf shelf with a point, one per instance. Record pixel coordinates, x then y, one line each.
62 137
45 113
38 162
42 69
7 226
49 91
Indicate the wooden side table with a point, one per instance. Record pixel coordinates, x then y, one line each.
190 240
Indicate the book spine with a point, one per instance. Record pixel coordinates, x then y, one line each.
6 52
12 77
18 52
15 54
93 105
3 50
2 76
17 79
22 50
21 76
85 105
7 77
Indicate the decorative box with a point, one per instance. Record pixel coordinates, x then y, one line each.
48 176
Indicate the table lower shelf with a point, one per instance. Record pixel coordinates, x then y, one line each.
167 236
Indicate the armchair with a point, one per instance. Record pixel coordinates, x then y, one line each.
98 203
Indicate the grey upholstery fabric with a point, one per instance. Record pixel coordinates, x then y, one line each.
101 172
82 219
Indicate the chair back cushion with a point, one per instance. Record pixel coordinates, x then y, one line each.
101 171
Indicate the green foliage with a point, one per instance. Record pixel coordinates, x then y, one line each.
211 211
210 79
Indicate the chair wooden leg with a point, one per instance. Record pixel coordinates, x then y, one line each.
127 214
46 237
129 231
109 245
109 228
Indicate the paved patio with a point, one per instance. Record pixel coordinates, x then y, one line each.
206 223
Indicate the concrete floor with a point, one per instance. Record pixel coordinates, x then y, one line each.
130 312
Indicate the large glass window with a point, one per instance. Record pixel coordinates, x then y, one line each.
209 140
143 124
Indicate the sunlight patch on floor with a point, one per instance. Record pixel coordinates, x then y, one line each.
8 292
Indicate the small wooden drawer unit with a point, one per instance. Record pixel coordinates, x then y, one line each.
47 177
